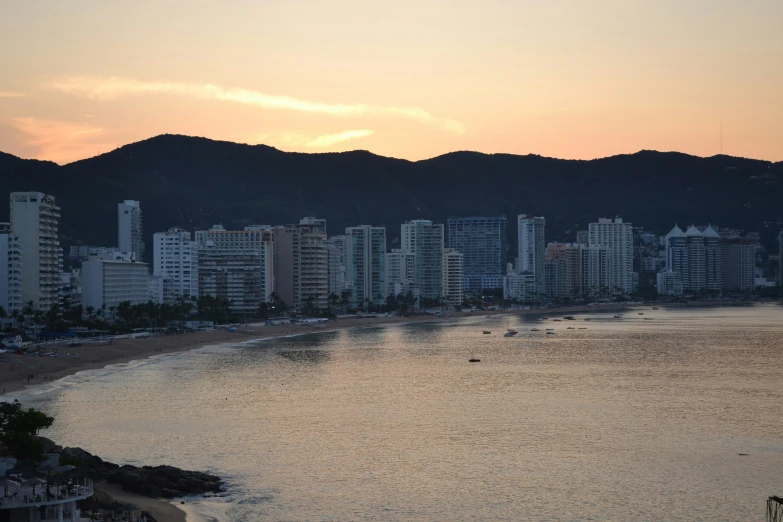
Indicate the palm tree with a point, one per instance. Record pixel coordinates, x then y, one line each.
3 314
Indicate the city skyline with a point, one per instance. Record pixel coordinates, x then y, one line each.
563 79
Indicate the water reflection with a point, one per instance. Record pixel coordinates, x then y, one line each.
627 417
305 356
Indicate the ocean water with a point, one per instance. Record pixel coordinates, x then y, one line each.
641 418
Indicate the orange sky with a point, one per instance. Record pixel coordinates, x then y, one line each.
409 78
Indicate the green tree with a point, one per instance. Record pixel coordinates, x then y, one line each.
18 430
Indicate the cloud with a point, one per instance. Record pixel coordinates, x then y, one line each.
112 87
61 141
296 140
10 94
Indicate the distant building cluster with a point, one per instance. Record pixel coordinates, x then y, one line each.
301 266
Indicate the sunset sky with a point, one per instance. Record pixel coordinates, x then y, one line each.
405 78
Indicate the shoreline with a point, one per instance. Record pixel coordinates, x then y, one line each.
94 357
15 368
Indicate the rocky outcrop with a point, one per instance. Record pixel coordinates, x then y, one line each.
152 481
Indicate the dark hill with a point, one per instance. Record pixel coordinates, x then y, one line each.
196 182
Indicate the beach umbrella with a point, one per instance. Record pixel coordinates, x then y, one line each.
35 481
7 482
22 469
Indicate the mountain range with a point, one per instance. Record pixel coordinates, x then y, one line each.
195 183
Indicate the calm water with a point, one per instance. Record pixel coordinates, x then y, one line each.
630 419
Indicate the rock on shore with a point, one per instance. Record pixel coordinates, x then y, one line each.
151 481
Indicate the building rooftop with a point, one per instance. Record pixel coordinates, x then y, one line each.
675 232
693 232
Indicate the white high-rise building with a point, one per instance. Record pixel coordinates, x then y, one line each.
175 261
365 271
617 238
314 262
453 264
34 220
424 240
400 272
236 265
531 248
129 228
10 270
108 281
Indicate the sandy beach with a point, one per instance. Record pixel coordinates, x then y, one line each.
15 369
19 371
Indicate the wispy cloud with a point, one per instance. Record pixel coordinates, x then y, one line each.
297 140
109 88
11 94
61 141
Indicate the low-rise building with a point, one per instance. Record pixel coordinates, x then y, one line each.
108 281
669 283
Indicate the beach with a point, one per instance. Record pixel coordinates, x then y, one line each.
19 371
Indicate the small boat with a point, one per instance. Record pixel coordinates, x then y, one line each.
535 330
570 328
474 360
648 318
583 328
509 334
550 333
569 318
487 332
655 308
618 316
640 313
549 329
558 320
545 318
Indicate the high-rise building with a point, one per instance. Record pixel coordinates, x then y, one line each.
236 265
696 256
302 264
400 273
175 261
594 265
531 247
563 269
10 270
739 264
110 280
314 262
335 251
365 271
453 266
482 241
617 238
424 240
34 220
129 228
